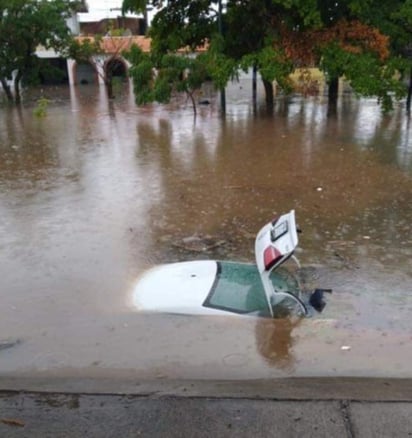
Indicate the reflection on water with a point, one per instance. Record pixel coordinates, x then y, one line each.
98 191
274 340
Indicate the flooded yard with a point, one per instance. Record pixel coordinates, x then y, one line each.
96 192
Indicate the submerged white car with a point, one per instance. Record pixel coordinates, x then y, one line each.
212 287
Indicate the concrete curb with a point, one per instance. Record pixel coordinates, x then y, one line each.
343 388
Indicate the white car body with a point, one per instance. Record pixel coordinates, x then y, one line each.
188 287
177 288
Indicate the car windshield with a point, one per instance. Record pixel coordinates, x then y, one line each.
238 288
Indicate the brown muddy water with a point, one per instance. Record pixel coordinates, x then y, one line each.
96 192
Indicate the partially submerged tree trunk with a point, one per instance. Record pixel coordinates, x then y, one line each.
408 99
269 93
254 86
333 92
109 87
7 89
17 79
16 86
192 98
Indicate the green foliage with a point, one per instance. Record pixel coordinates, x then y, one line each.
392 17
42 68
84 50
369 78
142 74
302 12
26 24
183 23
333 61
41 109
218 67
156 78
255 34
136 6
272 64
366 73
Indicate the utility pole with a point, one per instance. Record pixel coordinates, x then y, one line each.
222 90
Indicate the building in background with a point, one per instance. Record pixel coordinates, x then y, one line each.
104 18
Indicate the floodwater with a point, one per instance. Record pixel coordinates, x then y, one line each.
96 192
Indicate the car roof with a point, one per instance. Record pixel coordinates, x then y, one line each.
175 286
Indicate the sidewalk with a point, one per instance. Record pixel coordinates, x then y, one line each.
377 408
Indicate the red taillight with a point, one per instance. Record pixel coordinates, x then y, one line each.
270 257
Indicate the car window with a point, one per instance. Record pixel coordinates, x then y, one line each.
285 281
238 288
287 302
287 306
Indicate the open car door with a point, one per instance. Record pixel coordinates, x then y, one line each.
274 244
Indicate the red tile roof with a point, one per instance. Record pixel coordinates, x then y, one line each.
112 44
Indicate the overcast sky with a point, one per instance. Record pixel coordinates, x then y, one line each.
103 5
99 9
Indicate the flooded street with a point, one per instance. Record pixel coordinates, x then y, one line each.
96 192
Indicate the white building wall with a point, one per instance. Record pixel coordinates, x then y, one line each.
76 76
73 24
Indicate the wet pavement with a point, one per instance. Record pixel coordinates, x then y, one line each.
97 191
122 416
284 408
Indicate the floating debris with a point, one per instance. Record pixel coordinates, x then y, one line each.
12 422
198 243
9 343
